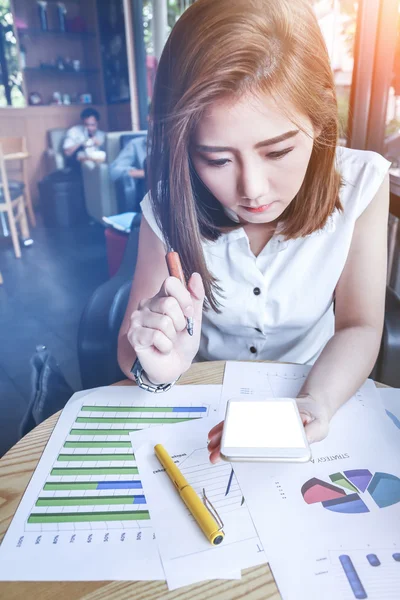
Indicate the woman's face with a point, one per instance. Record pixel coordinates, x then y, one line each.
252 157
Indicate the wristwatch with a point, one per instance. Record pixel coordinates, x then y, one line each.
144 382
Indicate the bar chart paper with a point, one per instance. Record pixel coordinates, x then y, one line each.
84 514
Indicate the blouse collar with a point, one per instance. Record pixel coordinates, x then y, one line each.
278 241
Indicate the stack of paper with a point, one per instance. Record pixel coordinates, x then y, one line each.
338 531
187 556
100 506
330 528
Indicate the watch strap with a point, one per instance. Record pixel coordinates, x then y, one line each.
144 382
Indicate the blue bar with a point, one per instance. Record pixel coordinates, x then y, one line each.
139 500
229 483
119 485
396 556
373 560
201 409
352 577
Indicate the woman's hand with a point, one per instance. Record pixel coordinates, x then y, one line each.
315 417
214 442
158 332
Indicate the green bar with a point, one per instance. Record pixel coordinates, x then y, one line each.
97 445
339 479
131 420
138 515
127 408
96 471
73 485
85 500
102 431
94 457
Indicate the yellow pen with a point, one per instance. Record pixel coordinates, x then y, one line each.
204 518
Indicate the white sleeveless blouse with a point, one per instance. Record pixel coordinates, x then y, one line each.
279 305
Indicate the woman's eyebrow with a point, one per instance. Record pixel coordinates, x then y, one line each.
270 142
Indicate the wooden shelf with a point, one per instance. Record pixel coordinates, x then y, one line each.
51 32
56 71
42 47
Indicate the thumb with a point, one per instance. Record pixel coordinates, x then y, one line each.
196 289
316 430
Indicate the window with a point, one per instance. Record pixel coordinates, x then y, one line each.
337 20
174 8
392 129
11 91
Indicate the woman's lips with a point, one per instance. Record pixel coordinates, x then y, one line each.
258 209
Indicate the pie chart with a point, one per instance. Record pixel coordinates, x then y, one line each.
347 491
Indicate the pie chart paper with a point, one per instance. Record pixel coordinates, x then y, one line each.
347 491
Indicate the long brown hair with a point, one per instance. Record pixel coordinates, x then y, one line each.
225 48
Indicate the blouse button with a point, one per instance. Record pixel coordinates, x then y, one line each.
253 350
256 291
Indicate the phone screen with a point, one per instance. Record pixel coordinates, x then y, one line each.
269 424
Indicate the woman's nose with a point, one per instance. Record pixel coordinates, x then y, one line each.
253 182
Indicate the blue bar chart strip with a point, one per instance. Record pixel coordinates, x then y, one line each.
119 485
393 418
373 560
189 409
352 577
229 483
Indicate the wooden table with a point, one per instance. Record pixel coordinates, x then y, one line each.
16 468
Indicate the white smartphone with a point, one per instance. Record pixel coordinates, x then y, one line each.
268 429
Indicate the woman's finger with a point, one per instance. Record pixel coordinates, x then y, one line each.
143 338
316 430
196 288
216 430
214 442
306 418
174 288
162 343
159 322
215 456
167 305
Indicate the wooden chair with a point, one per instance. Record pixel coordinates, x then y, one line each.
12 202
15 149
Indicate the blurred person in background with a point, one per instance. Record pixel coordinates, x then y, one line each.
83 140
128 173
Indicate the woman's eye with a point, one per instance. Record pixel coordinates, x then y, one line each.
280 154
221 162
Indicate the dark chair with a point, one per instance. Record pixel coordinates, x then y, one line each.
101 321
388 364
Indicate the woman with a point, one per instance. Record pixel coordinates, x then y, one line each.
282 233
